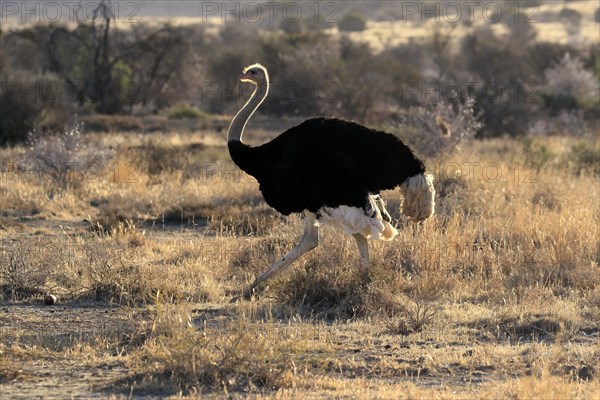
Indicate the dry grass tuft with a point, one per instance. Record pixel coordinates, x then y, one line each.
231 357
330 286
338 293
254 255
21 274
546 199
413 317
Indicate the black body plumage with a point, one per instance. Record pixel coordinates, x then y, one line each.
326 162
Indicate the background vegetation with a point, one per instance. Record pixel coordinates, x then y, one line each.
517 79
119 198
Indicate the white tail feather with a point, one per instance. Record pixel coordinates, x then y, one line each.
352 220
418 205
419 197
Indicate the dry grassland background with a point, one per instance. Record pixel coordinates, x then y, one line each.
496 296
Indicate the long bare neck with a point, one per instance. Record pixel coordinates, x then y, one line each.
236 129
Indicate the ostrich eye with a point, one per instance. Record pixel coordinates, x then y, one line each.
252 72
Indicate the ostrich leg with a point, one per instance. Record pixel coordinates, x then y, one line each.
363 249
310 240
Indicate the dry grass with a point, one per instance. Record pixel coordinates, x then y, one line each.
497 296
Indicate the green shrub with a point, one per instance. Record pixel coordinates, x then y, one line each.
28 103
16 119
182 111
64 157
352 23
291 26
112 123
537 152
560 101
586 157
569 15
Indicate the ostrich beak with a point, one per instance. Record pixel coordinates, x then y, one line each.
244 76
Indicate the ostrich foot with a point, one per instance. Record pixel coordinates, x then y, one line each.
248 294
364 277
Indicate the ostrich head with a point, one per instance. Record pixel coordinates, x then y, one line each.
256 74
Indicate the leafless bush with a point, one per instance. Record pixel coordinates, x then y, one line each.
104 268
21 275
571 123
63 160
331 289
111 273
438 128
569 78
236 357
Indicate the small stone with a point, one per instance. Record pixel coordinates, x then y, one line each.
49 299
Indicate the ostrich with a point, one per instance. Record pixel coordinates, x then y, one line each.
332 171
